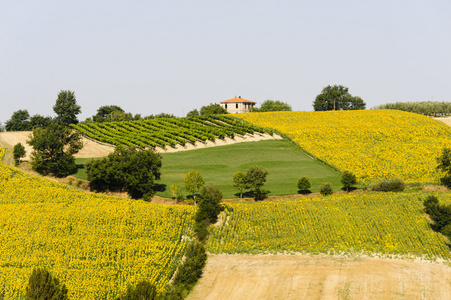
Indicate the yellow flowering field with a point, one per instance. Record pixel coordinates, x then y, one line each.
95 244
373 223
373 144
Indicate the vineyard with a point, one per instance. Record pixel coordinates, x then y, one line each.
372 144
385 223
95 244
163 132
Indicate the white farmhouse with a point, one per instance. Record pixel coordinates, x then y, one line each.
238 105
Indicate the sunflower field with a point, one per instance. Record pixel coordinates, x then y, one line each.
372 144
372 223
95 244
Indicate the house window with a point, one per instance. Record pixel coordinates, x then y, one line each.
237 106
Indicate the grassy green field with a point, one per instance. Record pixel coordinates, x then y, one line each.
284 161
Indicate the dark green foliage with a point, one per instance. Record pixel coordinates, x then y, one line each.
193 113
42 286
126 169
337 97
19 121
66 108
191 269
440 214
389 185
444 165
109 113
428 108
271 105
18 153
326 189
54 148
213 109
144 290
255 179
348 180
201 230
37 121
209 204
304 185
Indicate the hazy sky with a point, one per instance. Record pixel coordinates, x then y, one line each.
173 56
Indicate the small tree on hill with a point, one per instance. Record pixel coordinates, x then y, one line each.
239 182
271 105
444 165
209 204
66 108
304 185
326 189
193 182
255 179
18 153
348 180
177 192
42 285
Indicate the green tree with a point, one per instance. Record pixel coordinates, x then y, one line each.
20 121
348 180
177 192
18 153
304 185
326 189
193 182
191 269
209 204
444 165
337 97
271 105
240 183
255 179
2 128
126 169
213 109
193 113
42 285
107 113
66 108
143 290
40 121
54 148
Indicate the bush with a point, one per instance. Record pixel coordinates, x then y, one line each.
440 214
447 231
191 269
42 285
201 230
304 185
444 165
144 290
255 179
18 153
348 180
126 169
389 185
326 189
209 204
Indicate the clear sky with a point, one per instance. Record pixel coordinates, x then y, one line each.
173 56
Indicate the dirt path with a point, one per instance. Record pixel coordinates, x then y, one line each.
320 277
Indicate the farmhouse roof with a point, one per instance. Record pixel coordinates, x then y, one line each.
237 100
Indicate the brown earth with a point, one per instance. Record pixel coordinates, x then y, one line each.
320 277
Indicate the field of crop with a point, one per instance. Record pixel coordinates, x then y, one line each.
386 223
373 144
95 244
162 132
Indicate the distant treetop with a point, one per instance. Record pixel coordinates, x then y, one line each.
337 97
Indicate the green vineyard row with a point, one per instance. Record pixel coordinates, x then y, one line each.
163 132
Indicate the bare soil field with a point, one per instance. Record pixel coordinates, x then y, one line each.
320 277
445 120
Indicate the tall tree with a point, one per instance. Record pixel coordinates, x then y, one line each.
54 148
66 108
20 121
337 97
255 179
193 182
40 121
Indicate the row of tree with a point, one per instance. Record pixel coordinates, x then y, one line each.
427 108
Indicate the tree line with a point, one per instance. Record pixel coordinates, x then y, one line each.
427 108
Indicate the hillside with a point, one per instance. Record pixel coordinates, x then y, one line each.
373 144
96 245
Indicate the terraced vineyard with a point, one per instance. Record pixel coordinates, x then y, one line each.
385 223
96 245
163 132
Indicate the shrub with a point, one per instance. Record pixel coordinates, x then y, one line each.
255 179
440 214
209 204
144 290
326 189
177 192
444 164
348 180
201 230
389 185
191 269
304 185
42 285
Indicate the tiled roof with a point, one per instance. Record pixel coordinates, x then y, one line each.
237 100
